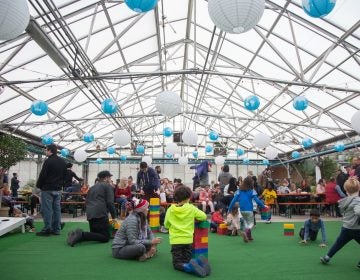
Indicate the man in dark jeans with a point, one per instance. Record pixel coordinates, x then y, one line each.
99 202
50 182
148 180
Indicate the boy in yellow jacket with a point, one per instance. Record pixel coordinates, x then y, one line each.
179 220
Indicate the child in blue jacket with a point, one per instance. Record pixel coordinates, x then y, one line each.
244 196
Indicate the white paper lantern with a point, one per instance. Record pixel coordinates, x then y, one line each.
236 16
14 17
183 160
219 160
171 148
147 159
262 140
80 155
190 137
355 122
271 153
121 137
168 103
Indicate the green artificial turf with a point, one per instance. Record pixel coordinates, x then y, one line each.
270 256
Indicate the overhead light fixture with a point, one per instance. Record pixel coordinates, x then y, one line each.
42 39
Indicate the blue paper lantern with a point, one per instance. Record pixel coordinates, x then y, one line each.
213 136
208 148
141 6
307 143
252 102
240 152
167 132
88 137
266 162
246 161
99 161
64 152
123 157
140 149
318 8
110 150
109 106
47 139
195 154
39 107
300 103
295 154
339 147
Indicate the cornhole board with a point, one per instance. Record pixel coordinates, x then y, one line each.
8 224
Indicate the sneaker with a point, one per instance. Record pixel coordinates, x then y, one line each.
43 233
197 269
163 230
324 259
268 222
74 237
32 230
203 262
244 236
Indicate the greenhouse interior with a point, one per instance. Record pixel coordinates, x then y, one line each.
268 88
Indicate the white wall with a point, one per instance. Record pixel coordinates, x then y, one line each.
27 170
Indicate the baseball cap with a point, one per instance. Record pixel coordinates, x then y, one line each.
104 174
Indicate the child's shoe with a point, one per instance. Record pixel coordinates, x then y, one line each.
163 230
324 259
243 235
203 262
248 235
197 269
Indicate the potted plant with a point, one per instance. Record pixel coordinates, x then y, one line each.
12 150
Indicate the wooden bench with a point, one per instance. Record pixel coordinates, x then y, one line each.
73 206
22 204
290 205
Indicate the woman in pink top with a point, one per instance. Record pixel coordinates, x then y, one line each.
205 199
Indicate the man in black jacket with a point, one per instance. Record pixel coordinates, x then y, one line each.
69 176
99 202
14 185
50 182
148 180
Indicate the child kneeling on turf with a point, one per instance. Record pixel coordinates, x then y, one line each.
311 228
179 220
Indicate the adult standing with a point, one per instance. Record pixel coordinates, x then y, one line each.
99 201
148 180
224 177
342 177
357 168
50 181
14 185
